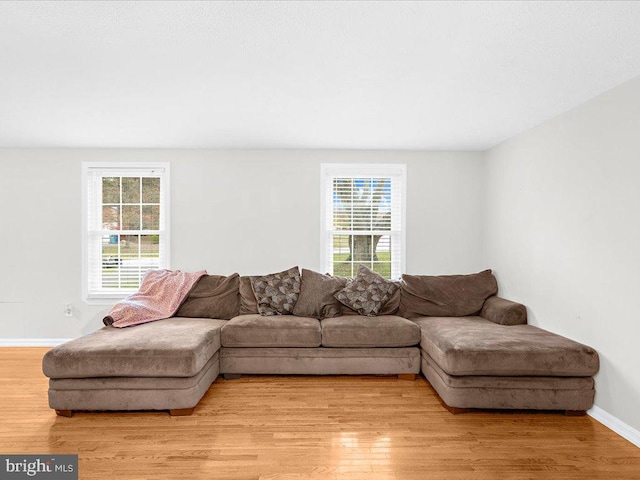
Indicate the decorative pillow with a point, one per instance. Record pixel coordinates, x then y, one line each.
248 302
389 308
317 292
367 293
446 295
214 296
277 293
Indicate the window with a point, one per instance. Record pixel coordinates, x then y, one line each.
363 220
126 221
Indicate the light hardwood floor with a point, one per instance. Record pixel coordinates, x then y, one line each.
307 428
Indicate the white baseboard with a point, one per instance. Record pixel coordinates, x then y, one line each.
615 424
32 342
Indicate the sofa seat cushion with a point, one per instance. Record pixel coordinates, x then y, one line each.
175 347
366 332
271 331
476 346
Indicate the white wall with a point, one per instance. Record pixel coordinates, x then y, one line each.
248 211
563 234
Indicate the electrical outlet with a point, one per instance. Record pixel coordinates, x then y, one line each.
68 310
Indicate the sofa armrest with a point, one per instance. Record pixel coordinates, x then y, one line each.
504 312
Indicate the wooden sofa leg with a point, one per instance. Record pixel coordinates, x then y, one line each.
181 412
575 413
407 376
64 413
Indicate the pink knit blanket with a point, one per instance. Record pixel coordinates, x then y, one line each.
159 297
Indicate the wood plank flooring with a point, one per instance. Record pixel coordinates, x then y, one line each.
268 428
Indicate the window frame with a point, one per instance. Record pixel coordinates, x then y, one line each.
121 169
329 171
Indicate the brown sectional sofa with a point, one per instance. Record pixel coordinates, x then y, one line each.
489 358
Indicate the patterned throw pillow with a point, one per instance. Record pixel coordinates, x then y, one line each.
277 293
367 293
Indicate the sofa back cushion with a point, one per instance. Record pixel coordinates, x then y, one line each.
446 295
248 302
214 296
317 292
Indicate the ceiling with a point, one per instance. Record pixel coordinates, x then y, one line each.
352 75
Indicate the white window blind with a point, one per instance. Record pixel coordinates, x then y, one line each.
126 226
363 221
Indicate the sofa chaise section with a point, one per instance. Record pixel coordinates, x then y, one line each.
164 365
475 363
